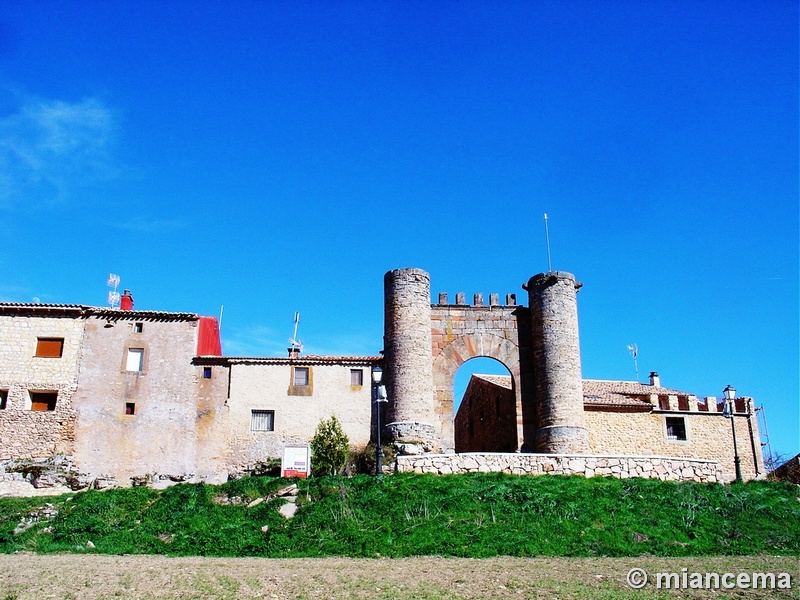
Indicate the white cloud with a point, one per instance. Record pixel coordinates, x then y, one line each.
253 341
50 147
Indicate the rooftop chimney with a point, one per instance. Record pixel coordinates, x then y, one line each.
294 352
126 301
655 380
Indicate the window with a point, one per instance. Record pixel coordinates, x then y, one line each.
357 377
676 429
206 372
300 376
49 347
138 327
3 399
130 408
43 401
301 381
262 420
135 359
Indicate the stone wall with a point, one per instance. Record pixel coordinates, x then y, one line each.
623 467
25 433
32 434
708 437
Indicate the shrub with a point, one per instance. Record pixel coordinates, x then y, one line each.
329 448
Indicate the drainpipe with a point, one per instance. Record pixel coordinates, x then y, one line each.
752 438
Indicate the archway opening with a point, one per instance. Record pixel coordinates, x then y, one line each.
485 408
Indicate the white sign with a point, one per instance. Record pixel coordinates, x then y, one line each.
296 461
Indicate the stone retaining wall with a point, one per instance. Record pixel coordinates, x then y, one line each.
624 467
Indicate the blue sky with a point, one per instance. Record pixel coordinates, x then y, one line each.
275 157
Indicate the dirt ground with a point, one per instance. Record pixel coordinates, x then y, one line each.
86 576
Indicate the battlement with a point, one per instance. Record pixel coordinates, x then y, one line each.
477 300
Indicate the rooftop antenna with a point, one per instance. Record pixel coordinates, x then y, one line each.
547 237
296 344
221 309
634 350
113 294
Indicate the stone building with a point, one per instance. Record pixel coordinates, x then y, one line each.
39 363
544 405
485 421
129 396
624 418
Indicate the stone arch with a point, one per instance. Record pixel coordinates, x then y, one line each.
454 354
425 344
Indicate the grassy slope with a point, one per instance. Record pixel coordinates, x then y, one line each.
408 515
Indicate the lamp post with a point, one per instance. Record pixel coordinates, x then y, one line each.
379 393
727 412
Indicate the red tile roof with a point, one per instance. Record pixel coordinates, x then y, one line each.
77 310
503 381
598 393
632 394
309 359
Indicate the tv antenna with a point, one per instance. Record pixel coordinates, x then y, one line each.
113 294
547 238
296 344
634 350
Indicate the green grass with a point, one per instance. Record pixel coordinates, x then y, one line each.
414 515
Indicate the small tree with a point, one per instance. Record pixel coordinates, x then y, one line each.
329 448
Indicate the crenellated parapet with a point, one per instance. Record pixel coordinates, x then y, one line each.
477 300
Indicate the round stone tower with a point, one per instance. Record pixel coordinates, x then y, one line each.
561 426
409 357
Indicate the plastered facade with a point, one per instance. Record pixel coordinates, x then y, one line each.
268 385
163 418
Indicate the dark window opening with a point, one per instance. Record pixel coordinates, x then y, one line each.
206 372
138 327
130 408
262 420
676 429
3 399
49 347
43 401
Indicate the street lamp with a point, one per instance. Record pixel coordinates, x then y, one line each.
379 394
727 411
